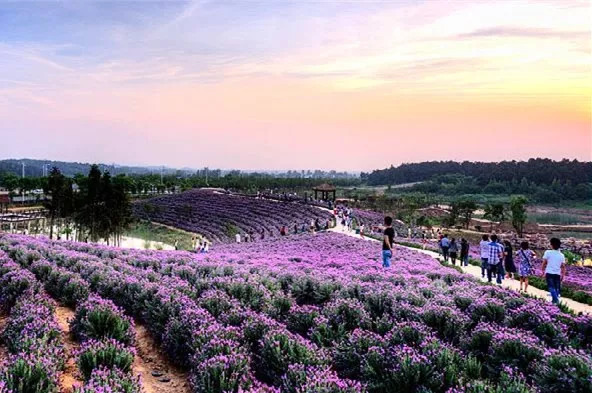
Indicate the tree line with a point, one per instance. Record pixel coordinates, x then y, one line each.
99 209
456 185
538 171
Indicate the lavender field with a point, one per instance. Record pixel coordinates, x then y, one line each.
218 216
306 313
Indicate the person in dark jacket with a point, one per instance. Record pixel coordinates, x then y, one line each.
464 252
509 259
453 251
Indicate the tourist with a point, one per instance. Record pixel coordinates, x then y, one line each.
237 237
206 247
303 228
554 269
247 237
509 259
193 242
453 251
327 225
525 257
176 245
494 260
484 251
283 230
362 231
198 247
444 246
295 229
387 242
464 252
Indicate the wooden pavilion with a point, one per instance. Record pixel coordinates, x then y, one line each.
326 190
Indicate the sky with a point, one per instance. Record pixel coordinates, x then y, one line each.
303 84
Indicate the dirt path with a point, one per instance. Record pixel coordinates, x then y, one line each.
158 375
70 376
3 350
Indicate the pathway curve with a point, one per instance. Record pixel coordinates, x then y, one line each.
475 271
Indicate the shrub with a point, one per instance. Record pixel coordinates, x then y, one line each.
29 373
221 374
110 380
301 318
564 372
350 353
279 350
99 319
303 379
108 354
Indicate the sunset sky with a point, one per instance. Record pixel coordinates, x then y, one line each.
278 84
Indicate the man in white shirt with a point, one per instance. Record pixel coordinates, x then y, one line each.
554 269
484 250
238 237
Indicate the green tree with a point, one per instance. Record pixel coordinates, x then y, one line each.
494 212
55 192
518 210
466 207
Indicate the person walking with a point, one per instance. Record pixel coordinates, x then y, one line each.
237 237
283 230
484 251
494 261
176 244
453 251
525 257
387 242
554 269
464 252
509 259
362 231
445 246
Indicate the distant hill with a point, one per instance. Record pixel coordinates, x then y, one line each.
34 168
540 171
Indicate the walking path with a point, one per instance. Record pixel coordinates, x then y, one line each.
475 271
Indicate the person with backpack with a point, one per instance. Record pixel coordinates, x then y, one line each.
554 269
494 261
525 257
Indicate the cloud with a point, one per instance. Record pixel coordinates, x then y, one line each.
533 32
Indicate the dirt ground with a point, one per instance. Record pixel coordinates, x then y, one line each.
70 376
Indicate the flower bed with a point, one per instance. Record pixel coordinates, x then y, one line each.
219 216
314 313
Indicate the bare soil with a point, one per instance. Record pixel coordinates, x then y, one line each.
70 377
3 350
158 375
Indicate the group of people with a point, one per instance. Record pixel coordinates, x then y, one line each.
450 250
497 259
198 246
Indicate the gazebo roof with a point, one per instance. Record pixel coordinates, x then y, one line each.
324 187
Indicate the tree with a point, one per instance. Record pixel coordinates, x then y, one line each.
494 212
453 214
11 183
54 188
466 207
518 210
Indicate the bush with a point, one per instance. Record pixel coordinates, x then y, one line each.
303 379
279 350
565 372
301 318
110 380
29 373
108 354
350 353
99 319
221 374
